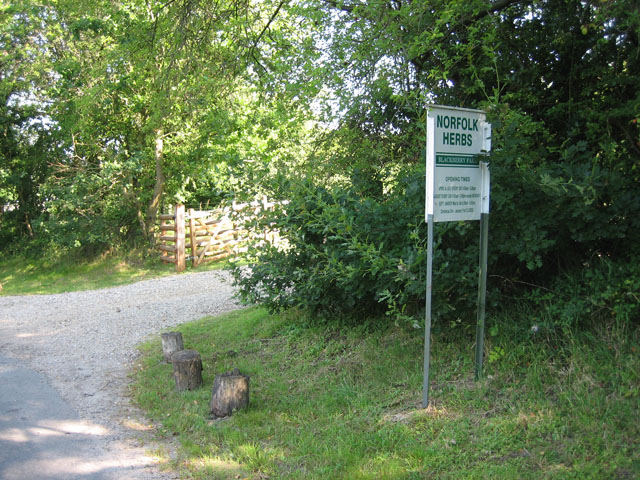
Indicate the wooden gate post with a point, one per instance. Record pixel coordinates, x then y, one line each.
192 236
181 262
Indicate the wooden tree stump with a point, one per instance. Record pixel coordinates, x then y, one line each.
230 393
187 370
171 343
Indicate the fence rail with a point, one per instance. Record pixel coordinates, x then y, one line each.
202 236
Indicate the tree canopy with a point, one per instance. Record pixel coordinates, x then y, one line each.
110 110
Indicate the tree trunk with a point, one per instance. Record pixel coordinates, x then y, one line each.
129 195
158 189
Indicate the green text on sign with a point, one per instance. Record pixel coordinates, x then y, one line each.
457 160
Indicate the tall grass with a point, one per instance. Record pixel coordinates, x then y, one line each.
345 404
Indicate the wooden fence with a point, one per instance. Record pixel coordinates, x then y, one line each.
205 235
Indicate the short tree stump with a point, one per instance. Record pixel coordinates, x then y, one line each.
187 370
230 393
171 343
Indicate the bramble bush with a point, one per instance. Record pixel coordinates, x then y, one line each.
85 216
602 290
352 256
356 252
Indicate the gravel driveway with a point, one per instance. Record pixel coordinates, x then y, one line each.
83 343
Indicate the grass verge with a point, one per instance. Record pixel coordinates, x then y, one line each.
23 276
344 404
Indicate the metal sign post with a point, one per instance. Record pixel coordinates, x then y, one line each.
457 189
482 292
427 326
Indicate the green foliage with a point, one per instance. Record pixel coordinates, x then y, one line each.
565 184
86 213
107 110
25 142
603 291
350 255
357 248
551 214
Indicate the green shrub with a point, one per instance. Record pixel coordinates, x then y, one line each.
86 215
603 290
354 256
355 252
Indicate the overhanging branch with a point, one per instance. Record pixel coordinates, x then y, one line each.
266 27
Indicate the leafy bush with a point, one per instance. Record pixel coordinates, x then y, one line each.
604 290
355 252
353 256
553 208
86 215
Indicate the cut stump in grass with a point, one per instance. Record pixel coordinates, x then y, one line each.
230 393
187 370
171 343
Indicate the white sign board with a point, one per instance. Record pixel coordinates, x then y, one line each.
457 178
457 189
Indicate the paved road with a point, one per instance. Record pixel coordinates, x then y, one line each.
42 437
64 360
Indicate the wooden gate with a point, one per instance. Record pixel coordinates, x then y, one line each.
206 235
171 239
212 235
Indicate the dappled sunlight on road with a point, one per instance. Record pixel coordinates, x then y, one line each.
64 358
15 435
73 467
52 428
30 335
37 448
42 437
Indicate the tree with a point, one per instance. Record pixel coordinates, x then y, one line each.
154 99
25 140
559 81
559 78
156 71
